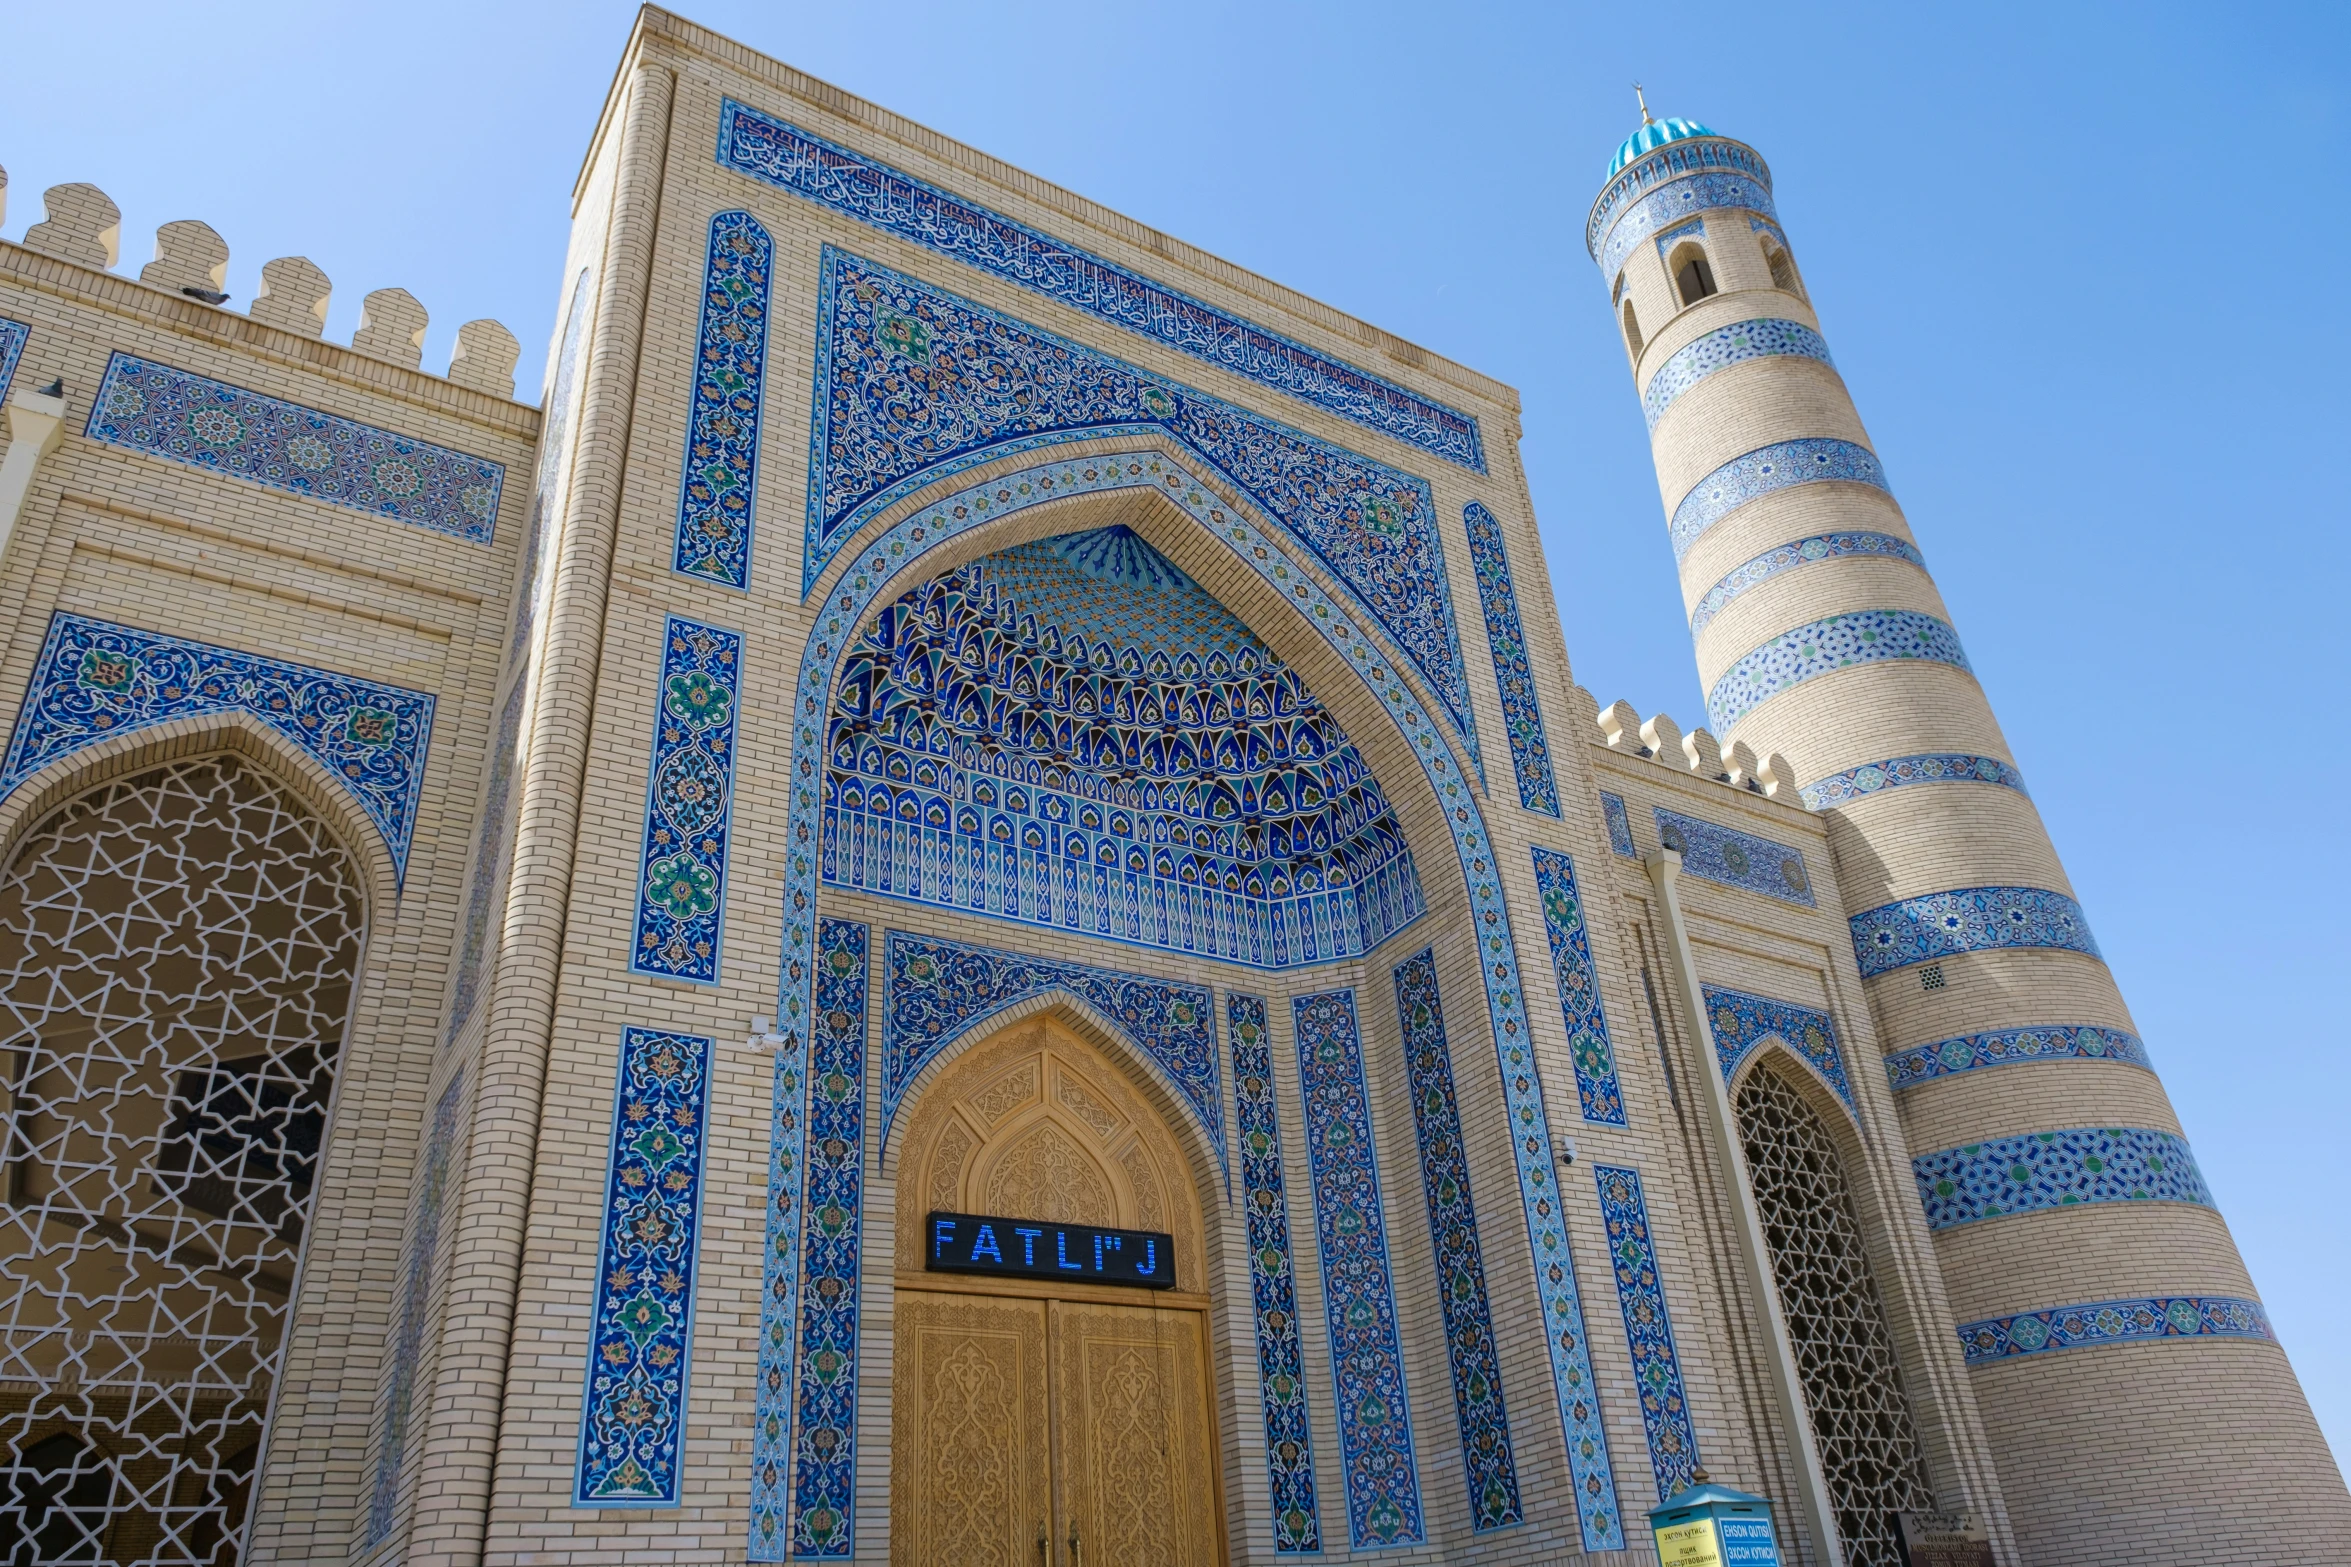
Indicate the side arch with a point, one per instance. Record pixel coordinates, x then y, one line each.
30 801
1260 553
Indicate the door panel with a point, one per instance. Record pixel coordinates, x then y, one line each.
971 1484
1131 1441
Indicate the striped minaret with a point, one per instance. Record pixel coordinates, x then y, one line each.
2138 1405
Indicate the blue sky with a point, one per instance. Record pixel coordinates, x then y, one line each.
2073 261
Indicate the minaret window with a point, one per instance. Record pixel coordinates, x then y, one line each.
1692 275
1632 330
1783 270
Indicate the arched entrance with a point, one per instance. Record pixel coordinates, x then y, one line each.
1038 1423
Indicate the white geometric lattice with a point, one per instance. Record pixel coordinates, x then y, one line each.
177 954
1860 1414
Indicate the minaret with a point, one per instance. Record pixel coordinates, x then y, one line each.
2138 1406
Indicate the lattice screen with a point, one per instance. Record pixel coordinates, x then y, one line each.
1860 1414
177 952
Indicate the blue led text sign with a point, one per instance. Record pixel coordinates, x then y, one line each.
1038 1248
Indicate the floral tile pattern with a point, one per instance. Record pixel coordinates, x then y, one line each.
2002 1047
1359 1296
1724 347
915 384
1857 783
13 336
1620 825
633 1423
897 560
2055 1170
94 680
824 1445
1800 552
2113 1322
1968 919
789 158
719 485
423 1256
938 989
1741 1022
1735 858
682 875
1813 460
1657 1368
1863 636
1579 989
1522 714
1273 1279
187 418
1460 1262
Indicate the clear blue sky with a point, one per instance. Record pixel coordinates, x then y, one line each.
2073 260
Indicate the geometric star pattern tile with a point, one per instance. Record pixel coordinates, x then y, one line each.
1657 1369
2087 1164
720 482
633 1419
1453 1233
1281 1367
192 419
1359 1299
2047 1042
1967 919
2142 1320
858 187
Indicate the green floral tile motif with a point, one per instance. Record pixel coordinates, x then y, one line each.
632 1423
681 895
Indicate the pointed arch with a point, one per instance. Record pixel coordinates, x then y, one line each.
1255 561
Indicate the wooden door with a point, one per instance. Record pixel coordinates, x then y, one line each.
971 1479
1132 1466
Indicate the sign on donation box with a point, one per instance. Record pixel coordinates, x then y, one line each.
1042 1249
1714 1526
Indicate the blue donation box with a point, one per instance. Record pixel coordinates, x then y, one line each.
1714 1526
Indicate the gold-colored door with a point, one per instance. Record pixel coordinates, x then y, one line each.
972 1483
1131 1479
1037 1424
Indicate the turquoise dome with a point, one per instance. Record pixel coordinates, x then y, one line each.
1651 135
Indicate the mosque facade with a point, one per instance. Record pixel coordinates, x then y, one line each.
958 907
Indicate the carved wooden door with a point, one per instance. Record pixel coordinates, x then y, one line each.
972 1486
1131 1466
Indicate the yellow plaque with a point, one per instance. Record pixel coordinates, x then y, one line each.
1691 1544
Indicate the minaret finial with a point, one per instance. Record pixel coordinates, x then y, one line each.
1644 103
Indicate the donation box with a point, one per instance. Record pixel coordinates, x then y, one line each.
1714 1526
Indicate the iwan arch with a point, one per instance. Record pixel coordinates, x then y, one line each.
951 910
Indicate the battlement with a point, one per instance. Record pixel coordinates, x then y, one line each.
81 225
1622 729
